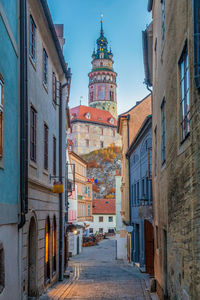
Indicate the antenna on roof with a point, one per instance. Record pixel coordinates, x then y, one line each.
81 98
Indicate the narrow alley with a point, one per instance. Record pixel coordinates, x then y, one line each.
98 275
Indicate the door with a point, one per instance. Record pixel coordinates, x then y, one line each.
32 291
149 247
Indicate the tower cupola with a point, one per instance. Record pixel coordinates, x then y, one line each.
102 78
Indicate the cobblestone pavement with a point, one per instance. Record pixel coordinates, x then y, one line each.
99 276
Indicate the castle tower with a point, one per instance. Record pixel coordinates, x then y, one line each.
102 78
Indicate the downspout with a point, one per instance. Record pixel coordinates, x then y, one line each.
23 116
60 195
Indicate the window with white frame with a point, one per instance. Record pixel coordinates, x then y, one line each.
184 95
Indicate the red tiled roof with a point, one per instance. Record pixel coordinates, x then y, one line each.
103 206
96 115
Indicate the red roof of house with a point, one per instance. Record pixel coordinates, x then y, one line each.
103 206
92 114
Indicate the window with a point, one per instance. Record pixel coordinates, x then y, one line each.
147 188
1 116
47 250
91 230
110 219
157 246
54 82
196 41
163 150
135 188
163 19
54 155
101 144
143 193
100 219
2 268
46 137
184 95
54 245
101 131
138 190
33 126
88 191
113 132
88 210
32 39
45 65
87 129
100 230
132 194
87 143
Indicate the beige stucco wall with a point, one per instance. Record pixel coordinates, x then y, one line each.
80 134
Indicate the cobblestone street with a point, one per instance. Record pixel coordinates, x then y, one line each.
97 275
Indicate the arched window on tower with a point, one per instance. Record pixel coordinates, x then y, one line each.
91 96
47 250
54 246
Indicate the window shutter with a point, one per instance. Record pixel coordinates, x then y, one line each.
196 41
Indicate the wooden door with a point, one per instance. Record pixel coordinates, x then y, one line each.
149 247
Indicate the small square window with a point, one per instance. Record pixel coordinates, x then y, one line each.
100 219
110 219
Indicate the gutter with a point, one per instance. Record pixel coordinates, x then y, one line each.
60 195
150 5
23 116
54 35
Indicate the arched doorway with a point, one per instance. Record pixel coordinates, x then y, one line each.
32 250
54 246
47 250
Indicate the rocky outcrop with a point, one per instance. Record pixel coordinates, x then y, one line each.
103 165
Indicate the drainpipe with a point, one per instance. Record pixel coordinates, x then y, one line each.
23 116
60 195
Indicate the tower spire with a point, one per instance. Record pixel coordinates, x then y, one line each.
101 24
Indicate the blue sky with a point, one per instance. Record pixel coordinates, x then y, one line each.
123 23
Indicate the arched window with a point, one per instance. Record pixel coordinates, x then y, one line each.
54 245
47 250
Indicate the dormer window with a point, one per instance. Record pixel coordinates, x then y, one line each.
111 120
87 115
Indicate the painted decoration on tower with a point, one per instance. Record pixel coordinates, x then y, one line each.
101 91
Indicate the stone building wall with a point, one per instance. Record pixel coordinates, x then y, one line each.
176 183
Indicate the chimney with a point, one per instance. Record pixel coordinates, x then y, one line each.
59 31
